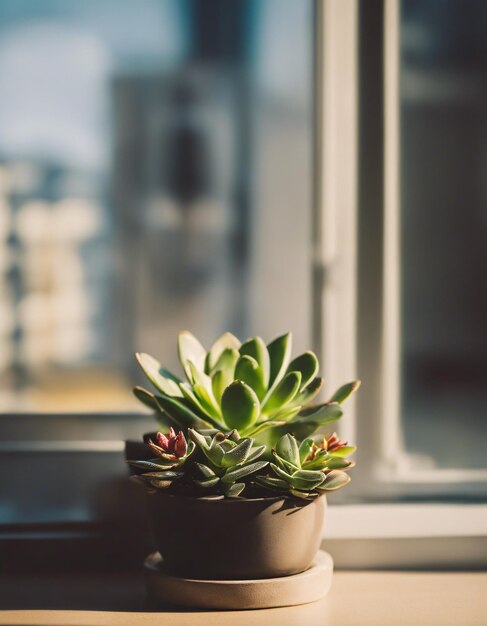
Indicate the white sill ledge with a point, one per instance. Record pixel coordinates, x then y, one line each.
407 536
382 521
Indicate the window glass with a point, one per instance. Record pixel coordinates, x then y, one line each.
155 174
444 231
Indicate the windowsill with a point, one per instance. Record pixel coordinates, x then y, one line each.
356 598
407 536
385 521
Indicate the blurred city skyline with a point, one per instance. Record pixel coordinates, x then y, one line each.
126 183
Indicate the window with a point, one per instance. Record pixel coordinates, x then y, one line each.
259 165
443 64
418 507
155 174
402 171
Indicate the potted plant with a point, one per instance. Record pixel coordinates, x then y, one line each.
239 459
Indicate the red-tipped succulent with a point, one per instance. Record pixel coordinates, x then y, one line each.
170 454
306 469
171 446
333 443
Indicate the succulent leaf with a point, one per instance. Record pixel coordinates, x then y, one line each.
285 475
219 382
202 441
287 449
249 371
286 414
345 391
233 436
307 364
283 393
159 452
215 454
206 483
272 482
181 447
307 484
257 349
263 426
233 490
146 397
226 362
307 394
161 484
227 341
304 449
167 475
335 463
316 464
286 466
309 475
335 480
321 414
190 349
181 415
227 445
233 475
320 461
279 355
240 405
157 375
344 451
202 387
238 454
255 453
208 402
304 495
155 465
193 401
206 471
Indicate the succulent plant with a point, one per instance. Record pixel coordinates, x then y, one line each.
306 470
250 386
225 461
170 454
228 460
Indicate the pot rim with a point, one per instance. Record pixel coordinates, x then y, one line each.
233 500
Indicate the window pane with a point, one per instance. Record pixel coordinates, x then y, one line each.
444 230
155 174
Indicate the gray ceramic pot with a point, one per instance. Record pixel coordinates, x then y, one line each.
235 539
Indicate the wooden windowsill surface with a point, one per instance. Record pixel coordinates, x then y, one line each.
365 598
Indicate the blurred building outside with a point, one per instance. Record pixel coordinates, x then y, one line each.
138 181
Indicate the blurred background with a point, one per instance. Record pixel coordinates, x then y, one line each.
443 223
149 154
156 173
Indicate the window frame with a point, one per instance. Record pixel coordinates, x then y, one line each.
357 177
358 200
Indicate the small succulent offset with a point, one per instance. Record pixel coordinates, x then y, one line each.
228 460
170 454
250 386
221 464
307 470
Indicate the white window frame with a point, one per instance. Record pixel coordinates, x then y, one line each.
366 345
356 269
